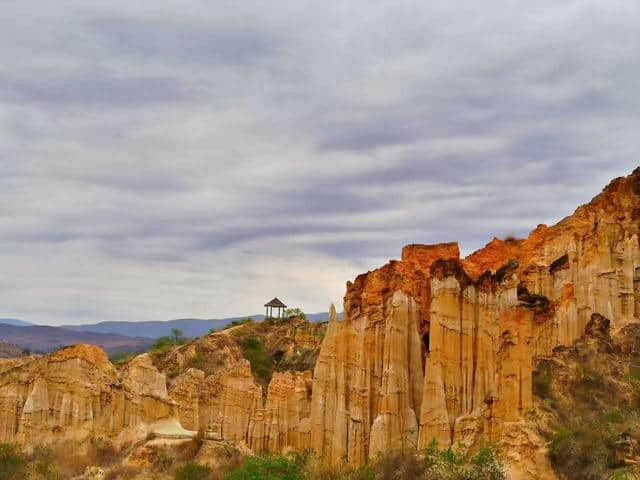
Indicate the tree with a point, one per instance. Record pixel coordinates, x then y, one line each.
176 334
295 312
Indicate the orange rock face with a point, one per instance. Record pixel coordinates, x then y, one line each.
435 347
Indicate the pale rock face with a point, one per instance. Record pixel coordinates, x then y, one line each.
221 404
142 377
367 385
229 406
284 423
76 392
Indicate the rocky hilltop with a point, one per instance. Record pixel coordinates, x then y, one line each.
433 346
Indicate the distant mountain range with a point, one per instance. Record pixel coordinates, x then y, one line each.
46 339
114 336
190 327
15 322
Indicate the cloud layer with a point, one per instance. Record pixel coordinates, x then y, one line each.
198 158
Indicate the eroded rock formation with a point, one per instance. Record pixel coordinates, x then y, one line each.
76 392
438 347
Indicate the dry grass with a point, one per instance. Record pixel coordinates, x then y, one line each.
123 473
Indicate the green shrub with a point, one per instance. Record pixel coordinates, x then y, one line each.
193 471
164 344
43 460
628 473
542 380
119 358
261 362
448 464
269 467
13 463
295 312
584 449
197 361
437 464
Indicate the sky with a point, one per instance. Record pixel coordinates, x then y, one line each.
171 159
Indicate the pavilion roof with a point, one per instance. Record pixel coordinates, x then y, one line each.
275 303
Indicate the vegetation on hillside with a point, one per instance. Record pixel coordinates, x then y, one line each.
589 407
435 464
279 344
13 463
235 323
260 360
178 462
55 462
164 344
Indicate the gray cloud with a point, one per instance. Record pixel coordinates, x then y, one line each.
185 42
191 159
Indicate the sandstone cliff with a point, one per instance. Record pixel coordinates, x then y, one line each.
438 347
76 392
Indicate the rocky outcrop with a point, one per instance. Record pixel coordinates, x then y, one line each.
367 386
438 347
220 405
284 423
76 392
211 354
292 343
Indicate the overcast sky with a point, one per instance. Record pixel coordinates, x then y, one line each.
166 159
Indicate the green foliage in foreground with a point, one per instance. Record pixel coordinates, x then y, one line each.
269 467
448 464
435 464
193 471
13 463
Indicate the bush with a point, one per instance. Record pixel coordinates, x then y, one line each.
193 471
271 467
587 448
163 344
436 465
13 463
43 460
542 380
448 464
119 358
260 360
295 312
197 361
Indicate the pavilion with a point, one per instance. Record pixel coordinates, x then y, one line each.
277 304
